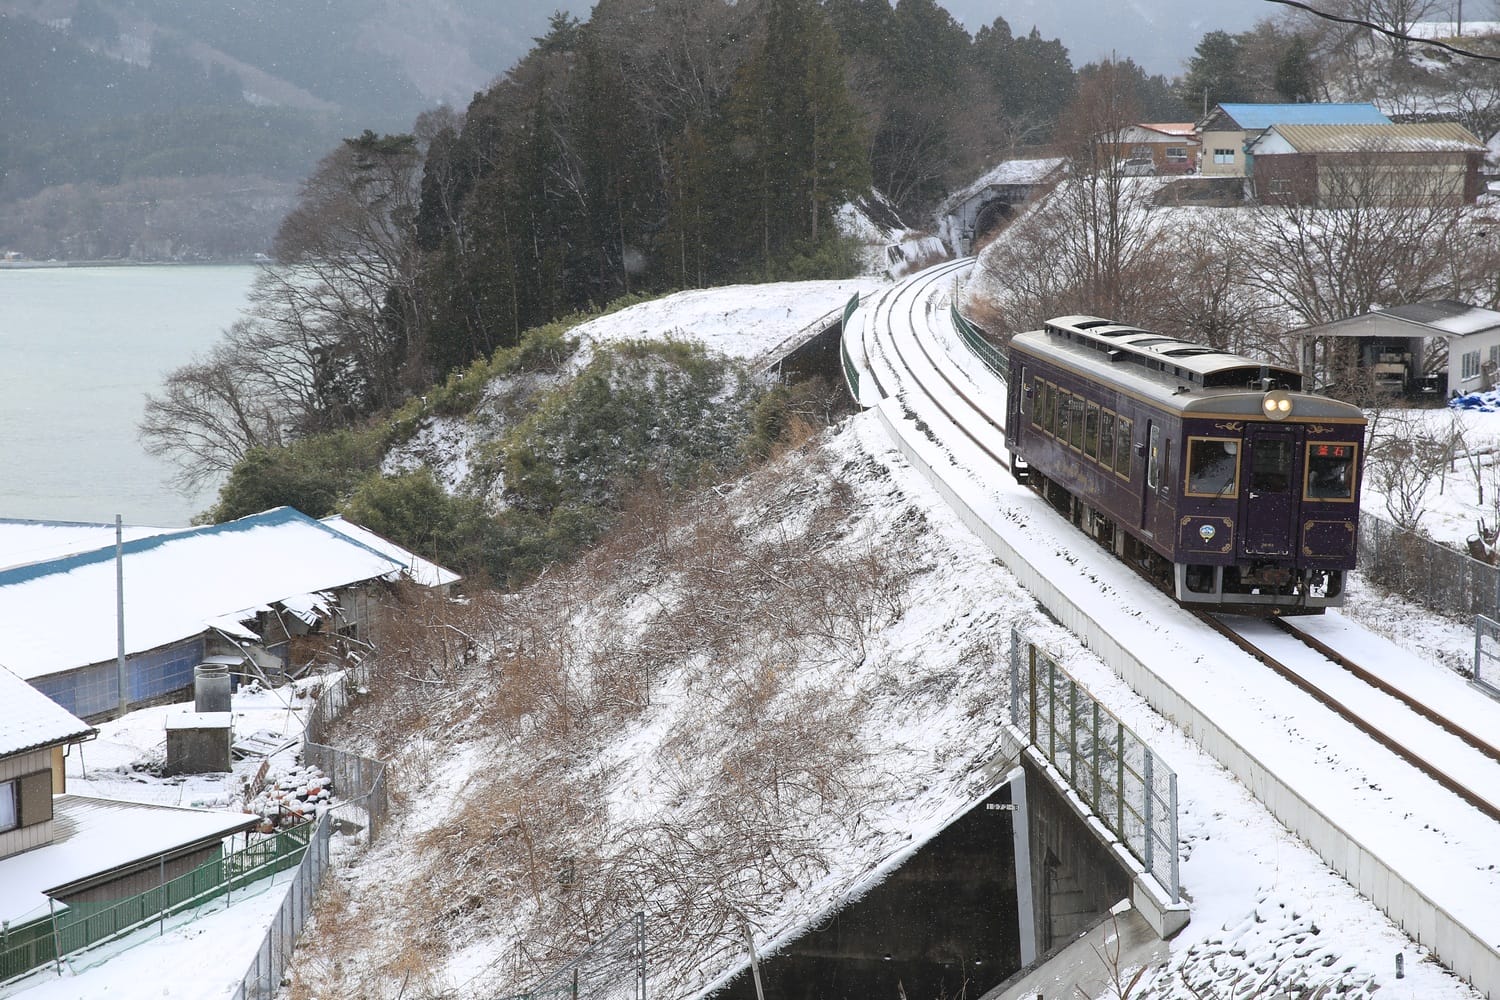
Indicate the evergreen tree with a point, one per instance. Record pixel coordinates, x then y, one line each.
795 148
1043 79
1214 75
1294 72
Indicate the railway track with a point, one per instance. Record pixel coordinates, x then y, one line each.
1461 761
1360 769
926 368
1451 754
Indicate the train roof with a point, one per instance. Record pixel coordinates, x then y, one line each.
1176 374
1177 359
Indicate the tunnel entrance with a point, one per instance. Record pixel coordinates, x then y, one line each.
944 924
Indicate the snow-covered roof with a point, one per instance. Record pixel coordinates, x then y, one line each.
1416 137
1180 129
25 541
1433 318
418 570
60 614
1262 116
95 836
1448 316
29 720
1035 171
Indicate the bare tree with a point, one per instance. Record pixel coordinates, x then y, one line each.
333 327
212 411
1376 234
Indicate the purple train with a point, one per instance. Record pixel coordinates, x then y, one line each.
1214 473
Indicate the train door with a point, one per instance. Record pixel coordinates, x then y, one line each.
1267 505
1153 499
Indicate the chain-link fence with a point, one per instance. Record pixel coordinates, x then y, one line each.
359 782
1434 575
614 968
1116 774
1487 654
263 979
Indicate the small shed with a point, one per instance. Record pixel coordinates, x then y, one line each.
1403 347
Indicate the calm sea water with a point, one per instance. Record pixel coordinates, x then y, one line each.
79 349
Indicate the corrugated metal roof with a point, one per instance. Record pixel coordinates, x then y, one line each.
95 836
1435 317
1262 116
1183 129
60 614
1417 137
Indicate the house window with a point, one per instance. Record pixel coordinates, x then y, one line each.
1141 151
1281 185
1223 156
1471 364
9 817
1495 356
1177 154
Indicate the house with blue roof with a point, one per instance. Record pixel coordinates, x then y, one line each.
105 628
1227 130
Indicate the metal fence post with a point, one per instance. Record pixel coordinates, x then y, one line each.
1150 798
1176 887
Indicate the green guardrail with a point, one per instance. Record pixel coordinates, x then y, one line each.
992 357
83 925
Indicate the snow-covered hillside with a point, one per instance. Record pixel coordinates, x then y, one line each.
756 703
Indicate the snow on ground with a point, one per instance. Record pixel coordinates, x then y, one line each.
202 953
747 322
1261 900
743 321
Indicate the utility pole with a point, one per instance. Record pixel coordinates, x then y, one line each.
120 612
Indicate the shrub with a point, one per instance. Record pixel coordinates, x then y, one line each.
314 475
412 510
661 407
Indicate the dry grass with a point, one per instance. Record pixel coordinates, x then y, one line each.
727 617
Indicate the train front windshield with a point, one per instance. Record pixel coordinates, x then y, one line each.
1330 471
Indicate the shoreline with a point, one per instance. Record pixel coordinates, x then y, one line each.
38 265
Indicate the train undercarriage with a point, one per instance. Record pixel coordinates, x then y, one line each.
1266 588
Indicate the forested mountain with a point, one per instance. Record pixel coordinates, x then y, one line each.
120 116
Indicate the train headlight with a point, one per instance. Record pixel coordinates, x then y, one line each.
1277 404
1207 532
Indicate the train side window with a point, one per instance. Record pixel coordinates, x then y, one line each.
1075 422
1049 416
1153 459
1123 446
1213 467
1330 471
1091 431
1060 417
1039 403
1107 439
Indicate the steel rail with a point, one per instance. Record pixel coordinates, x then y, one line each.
913 298
1422 709
1395 746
